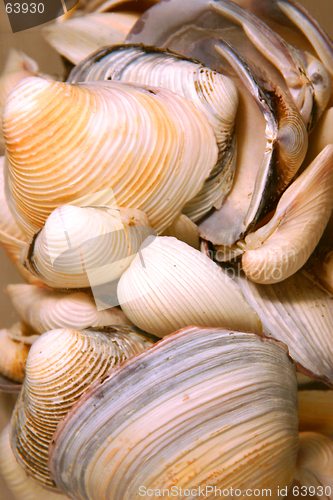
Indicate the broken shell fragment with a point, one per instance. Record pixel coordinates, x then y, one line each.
300 314
14 353
88 246
76 38
283 245
46 309
61 365
172 285
154 157
201 403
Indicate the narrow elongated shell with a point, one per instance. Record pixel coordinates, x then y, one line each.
315 463
62 364
172 285
154 157
22 487
82 247
300 314
17 67
204 406
184 230
212 93
13 355
315 410
283 245
77 38
46 309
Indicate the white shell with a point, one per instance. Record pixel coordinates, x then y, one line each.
46 309
88 246
76 38
204 406
184 230
156 156
172 285
61 365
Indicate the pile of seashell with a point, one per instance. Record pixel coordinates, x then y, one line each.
169 206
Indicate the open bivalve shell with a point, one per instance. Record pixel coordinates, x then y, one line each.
46 309
204 406
22 487
88 246
300 314
171 285
283 245
150 149
61 365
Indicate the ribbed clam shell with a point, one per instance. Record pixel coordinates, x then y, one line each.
315 410
283 245
172 285
13 355
203 406
184 230
158 152
17 67
21 486
62 364
46 309
272 143
315 464
89 246
76 38
300 314
212 93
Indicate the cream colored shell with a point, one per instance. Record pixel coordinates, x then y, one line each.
172 285
62 364
88 246
204 406
46 309
154 157
76 38
14 351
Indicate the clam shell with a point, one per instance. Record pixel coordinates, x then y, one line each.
156 158
61 365
172 285
46 309
202 403
315 410
22 487
13 354
283 245
17 67
76 38
89 246
300 314
315 463
212 93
